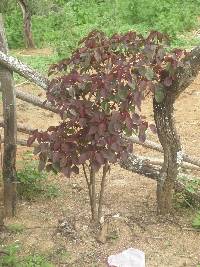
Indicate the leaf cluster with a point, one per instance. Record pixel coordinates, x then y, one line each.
99 92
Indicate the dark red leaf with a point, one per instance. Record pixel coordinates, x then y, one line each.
93 130
153 128
99 158
83 157
167 81
31 140
66 171
129 123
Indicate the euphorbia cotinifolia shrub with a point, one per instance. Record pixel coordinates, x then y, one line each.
98 92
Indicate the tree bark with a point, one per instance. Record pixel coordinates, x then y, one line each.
93 195
170 141
10 130
36 101
157 147
27 23
22 69
143 166
102 189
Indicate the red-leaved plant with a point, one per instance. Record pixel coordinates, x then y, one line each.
99 92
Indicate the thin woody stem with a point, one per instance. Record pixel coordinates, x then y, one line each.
103 181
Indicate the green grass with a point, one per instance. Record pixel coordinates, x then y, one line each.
32 183
184 199
70 20
15 228
10 258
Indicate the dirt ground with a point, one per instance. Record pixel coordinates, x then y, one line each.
130 205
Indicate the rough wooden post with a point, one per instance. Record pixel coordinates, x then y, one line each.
10 131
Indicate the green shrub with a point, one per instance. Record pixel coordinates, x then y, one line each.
14 29
36 261
10 258
32 183
165 15
192 185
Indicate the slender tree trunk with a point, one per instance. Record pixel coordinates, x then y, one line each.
95 205
93 195
102 189
170 141
27 23
10 130
88 181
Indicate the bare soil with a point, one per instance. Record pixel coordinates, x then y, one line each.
129 206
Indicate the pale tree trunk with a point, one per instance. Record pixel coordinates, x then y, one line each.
27 23
96 203
170 141
10 130
143 166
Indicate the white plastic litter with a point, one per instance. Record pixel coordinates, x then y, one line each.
128 258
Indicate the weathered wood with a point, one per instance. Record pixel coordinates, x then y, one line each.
22 69
159 162
27 23
20 128
155 161
35 100
158 147
144 167
10 130
20 142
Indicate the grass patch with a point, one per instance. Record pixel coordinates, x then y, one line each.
64 23
10 258
15 228
192 185
32 183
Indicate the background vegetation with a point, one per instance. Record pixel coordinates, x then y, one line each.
62 23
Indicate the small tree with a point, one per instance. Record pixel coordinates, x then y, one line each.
99 92
27 23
